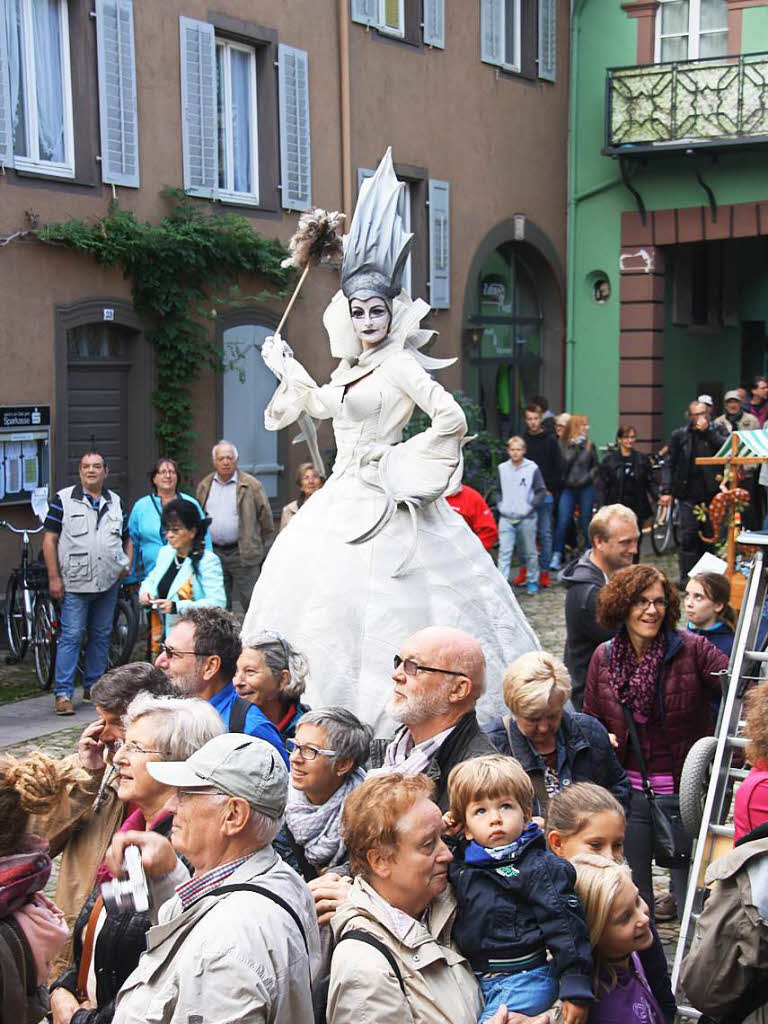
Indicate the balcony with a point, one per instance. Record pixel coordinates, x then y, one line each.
716 102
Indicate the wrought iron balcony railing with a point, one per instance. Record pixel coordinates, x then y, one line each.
720 101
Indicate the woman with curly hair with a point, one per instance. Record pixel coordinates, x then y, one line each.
662 678
750 808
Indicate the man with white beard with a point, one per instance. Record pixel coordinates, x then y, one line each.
439 676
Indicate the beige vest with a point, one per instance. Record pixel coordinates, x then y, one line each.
91 556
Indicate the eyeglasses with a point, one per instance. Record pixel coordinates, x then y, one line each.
410 667
173 653
641 603
306 751
132 748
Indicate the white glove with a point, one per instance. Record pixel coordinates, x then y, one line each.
275 352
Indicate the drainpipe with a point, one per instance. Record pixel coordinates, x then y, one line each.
346 115
570 343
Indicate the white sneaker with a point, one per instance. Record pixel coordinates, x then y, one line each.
557 562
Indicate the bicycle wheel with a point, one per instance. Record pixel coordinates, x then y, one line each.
45 635
125 627
661 529
15 619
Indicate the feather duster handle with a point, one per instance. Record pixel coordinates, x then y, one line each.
316 240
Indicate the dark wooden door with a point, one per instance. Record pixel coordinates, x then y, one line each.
98 418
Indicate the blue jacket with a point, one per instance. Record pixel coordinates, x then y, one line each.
588 752
256 722
514 908
207 582
720 635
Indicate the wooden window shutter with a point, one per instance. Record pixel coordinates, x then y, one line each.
295 150
199 118
548 39
365 12
434 23
118 113
439 244
492 31
6 124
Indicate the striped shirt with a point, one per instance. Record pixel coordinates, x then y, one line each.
200 885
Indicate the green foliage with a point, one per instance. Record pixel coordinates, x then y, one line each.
482 455
182 271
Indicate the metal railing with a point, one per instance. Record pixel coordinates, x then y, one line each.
687 104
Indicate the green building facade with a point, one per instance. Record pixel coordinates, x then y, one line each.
668 208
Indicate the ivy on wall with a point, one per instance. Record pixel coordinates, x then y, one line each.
182 271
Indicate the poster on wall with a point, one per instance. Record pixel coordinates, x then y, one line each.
25 454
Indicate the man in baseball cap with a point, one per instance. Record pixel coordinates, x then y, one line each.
736 417
248 954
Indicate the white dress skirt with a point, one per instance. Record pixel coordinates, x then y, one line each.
349 603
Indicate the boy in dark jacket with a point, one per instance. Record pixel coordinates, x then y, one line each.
515 898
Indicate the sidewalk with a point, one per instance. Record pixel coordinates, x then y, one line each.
34 717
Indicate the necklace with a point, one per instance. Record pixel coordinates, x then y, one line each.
178 562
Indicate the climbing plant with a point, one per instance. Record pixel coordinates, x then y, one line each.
182 270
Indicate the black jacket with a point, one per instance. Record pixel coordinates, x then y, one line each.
583 581
580 464
466 741
589 753
613 486
678 466
543 449
512 908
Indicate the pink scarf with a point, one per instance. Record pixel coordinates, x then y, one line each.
634 682
134 822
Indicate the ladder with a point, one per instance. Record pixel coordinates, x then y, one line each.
744 666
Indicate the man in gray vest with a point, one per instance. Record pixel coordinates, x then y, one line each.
86 549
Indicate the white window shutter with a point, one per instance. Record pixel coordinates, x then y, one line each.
439 244
199 118
548 39
6 126
434 23
118 114
365 12
492 31
295 148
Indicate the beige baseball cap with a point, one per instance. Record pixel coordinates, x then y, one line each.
730 395
241 766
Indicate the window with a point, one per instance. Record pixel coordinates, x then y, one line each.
237 129
40 95
691 29
500 32
413 21
392 17
520 36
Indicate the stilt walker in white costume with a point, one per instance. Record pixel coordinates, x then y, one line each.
378 553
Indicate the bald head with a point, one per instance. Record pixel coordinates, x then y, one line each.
456 650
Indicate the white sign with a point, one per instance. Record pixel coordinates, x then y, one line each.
109 314
40 502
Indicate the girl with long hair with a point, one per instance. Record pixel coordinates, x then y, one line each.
580 470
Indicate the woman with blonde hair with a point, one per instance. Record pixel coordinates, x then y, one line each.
556 746
580 471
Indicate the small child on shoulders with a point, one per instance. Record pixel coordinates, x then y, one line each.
516 899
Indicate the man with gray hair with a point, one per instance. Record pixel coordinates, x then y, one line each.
240 936
439 677
241 521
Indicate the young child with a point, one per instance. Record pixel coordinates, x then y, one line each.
522 491
585 818
619 927
707 597
516 900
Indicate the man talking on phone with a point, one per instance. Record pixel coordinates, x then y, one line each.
692 485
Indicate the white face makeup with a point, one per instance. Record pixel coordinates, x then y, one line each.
371 320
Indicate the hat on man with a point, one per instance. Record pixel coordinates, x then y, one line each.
705 400
731 396
241 766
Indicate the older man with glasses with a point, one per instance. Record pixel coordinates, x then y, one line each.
200 656
239 938
439 676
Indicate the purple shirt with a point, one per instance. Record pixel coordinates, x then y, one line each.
629 1002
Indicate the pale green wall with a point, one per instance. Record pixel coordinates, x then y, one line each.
754 29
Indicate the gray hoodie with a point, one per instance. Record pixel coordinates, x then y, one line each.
583 581
522 489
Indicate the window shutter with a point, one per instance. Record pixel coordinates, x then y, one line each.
434 23
439 244
6 130
548 39
492 29
365 12
199 119
362 174
295 152
118 116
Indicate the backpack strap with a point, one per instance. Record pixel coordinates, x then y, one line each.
238 715
249 887
371 940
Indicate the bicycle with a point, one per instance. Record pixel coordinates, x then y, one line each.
31 615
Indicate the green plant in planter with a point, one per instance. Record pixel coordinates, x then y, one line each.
182 272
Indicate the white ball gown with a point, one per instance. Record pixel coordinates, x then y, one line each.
378 553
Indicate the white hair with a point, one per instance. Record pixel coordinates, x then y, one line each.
183 724
220 443
264 829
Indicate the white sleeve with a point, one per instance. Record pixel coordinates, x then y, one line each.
298 393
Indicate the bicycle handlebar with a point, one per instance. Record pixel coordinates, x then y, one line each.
26 529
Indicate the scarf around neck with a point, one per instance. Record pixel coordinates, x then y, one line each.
317 827
634 682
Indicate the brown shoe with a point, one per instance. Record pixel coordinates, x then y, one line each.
64 706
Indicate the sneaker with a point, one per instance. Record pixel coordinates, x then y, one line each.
86 696
557 562
665 907
63 706
519 580
544 580
532 588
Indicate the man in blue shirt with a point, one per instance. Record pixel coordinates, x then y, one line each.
200 656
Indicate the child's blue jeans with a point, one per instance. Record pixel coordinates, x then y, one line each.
528 992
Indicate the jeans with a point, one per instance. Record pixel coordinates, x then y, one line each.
522 533
570 497
544 529
638 850
528 992
81 612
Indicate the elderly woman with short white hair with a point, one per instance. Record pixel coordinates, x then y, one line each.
555 745
272 674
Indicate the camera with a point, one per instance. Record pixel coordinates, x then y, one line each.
131 893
